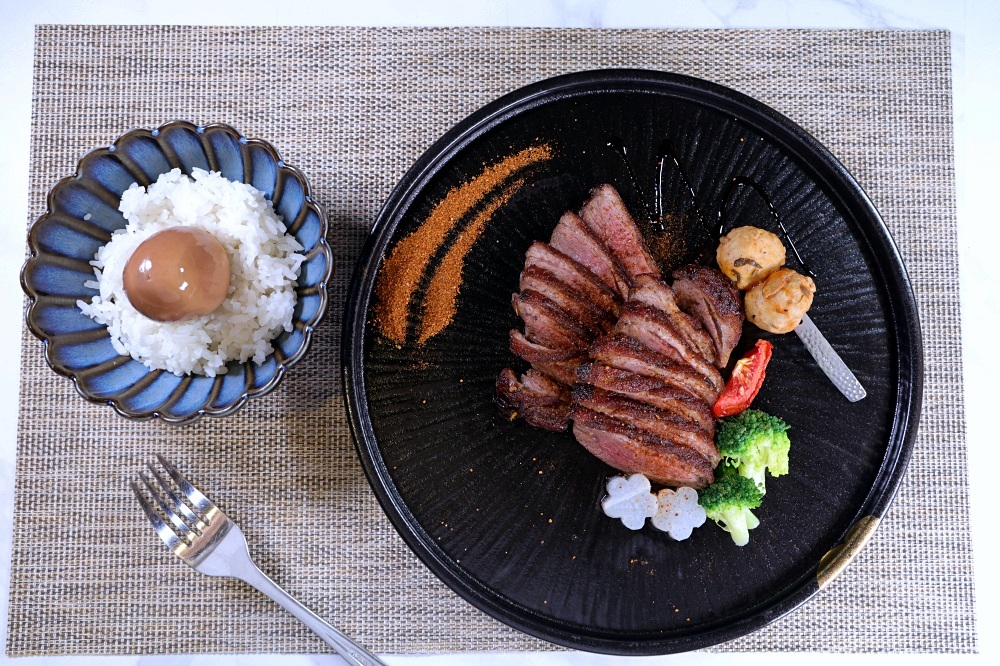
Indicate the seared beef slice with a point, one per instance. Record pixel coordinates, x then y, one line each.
713 299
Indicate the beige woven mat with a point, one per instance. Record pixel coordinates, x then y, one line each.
353 107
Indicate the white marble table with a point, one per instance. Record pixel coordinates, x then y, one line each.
975 30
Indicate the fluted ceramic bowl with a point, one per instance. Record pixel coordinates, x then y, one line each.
82 214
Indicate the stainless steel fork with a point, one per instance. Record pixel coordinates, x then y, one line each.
214 545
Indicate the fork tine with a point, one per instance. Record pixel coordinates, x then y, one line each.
182 527
190 517
200 501
174 542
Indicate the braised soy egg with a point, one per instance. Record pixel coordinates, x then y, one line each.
176 274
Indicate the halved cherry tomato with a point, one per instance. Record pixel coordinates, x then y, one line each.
745 382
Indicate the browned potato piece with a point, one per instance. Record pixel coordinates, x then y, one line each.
747 255
778 303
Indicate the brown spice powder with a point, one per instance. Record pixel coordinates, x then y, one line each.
678 241
439 303
401 271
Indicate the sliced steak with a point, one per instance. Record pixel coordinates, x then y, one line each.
574 274
607 217
681 403
540 400
660 422
657 294
572 237
562 371
560 364
696 334
654 293
654 329
536 353
621 352
715 301
632 451
543 385
616 379
547 324
568 299
650 390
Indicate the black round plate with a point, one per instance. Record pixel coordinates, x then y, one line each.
508 515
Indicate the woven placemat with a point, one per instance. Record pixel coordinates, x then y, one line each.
353 107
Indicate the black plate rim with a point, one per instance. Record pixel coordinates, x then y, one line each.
778 128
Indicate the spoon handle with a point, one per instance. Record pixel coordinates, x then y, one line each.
829 360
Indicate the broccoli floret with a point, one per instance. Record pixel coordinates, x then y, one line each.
754 442
728 502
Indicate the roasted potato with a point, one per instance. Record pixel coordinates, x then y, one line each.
778 303
747 255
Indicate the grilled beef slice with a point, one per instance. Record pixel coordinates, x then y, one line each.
540 400
655 330
659 295
607 217
568 299
572 237
560 364
713 299
663 423
574 274
621 352
653 391
634 451
547 324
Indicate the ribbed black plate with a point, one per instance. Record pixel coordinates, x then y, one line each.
508 515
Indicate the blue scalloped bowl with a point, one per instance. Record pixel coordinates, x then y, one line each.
83 212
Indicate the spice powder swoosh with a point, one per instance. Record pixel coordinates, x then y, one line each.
439 303
402 270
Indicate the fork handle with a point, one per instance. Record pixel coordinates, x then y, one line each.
352 653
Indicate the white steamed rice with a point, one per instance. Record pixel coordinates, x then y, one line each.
265 266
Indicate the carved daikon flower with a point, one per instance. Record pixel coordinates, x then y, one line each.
678 512
630 500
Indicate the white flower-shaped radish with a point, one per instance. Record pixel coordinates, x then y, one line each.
630 500
678 512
